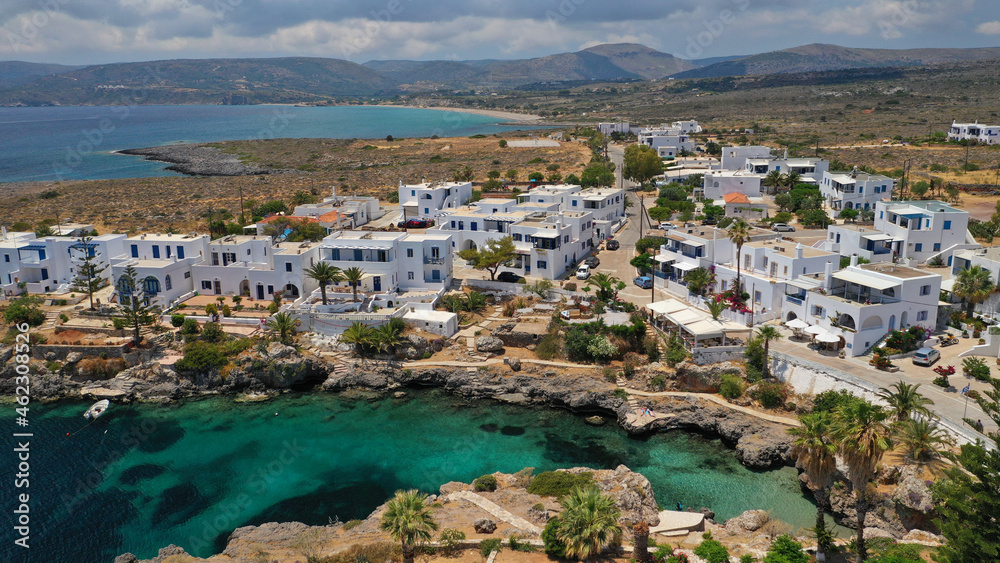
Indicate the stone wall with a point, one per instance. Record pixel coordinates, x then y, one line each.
60 351
717 354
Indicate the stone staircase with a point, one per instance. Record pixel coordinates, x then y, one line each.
50 320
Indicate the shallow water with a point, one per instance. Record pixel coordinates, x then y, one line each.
146 476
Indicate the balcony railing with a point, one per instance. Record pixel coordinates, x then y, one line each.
433 260
794 299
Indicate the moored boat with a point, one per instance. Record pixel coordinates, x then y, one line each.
97 409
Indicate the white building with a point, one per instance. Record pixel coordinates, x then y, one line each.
50 264
430 200
606 128
163 264
699 247
344 212
867 242
924 229
855 190
606 206
256 268
982 134
811 170
742 207
718 183
860 304
735 158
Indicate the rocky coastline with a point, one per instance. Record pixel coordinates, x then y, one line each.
201 160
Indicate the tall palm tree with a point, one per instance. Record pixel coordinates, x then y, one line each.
386 337
905 400
698 280
588 523
283 326
791 179
324 273
816 454
862 436
774 179
973 286
767 333
922 439
359 335
640 541
739 234
353 276
408 520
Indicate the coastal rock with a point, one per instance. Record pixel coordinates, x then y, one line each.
72 358
749 521
632 492
538 515
514 363
278 351
453 486
6 353
126 558
163 555
484 526
764 449
244 543
704 379
489 344
200 160
923 536
913 492
595 420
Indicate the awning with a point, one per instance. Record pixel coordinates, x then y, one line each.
864 279
878 237
678 238
805 283
667 306
686 316
664 259
685 267
912 216
948 285
827 337
704 329
35 247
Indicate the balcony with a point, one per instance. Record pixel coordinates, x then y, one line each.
795 299
864 296
433 260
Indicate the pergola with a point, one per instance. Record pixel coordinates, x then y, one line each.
695 327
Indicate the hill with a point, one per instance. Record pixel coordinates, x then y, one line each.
15 73
213 81
822 57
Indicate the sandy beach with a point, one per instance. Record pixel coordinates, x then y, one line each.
492 113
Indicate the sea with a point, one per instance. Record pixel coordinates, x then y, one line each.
79 142
144 476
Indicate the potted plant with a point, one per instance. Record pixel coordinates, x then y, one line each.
965 334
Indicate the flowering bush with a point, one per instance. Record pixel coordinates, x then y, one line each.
732 300
942 370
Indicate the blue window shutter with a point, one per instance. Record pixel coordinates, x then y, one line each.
156 251
180 252
135 251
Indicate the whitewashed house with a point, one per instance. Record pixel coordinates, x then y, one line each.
717 183
50 264
735 158
606 206
430 200
860 304
699 247
982 134
922 230
739 206
855 190
163 263
256 267
550 244
811 170
865 241
607 128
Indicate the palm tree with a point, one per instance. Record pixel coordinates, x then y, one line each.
282 325
698 280
922 439
324 273
354 276
359 335
767 333
973 286
739 234
408 520
475 302
816 453
774 179
640 541
862 436
905 400
588 523
791 179
453 303
716 308
386 336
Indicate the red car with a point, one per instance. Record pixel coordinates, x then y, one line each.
415 224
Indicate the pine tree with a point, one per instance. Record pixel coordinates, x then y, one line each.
133 307
88 274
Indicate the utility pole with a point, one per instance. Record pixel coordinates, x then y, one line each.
243 220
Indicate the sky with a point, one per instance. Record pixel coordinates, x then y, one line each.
103 31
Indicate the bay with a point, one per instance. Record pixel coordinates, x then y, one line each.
145 476
78 142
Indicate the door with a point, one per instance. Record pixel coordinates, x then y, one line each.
218 287
436 275
260 292
377 283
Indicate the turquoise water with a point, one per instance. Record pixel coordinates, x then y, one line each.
77 143
146 476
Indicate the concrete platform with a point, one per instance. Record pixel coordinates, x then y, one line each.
673 523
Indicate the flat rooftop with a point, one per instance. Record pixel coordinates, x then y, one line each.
788 249
175 237
931 206
294 247
896 271
850 176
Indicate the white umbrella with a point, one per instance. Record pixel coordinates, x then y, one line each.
796 324
828 337
815 329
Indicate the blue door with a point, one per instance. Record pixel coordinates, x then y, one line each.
435 275
260 291
377 283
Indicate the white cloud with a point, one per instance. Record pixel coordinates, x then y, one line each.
989 28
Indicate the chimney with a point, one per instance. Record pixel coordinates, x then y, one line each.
854 173
786 153
854 259
828 275
798 251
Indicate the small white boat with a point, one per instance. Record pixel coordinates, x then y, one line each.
97 409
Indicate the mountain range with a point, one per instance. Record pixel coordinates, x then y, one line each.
311 79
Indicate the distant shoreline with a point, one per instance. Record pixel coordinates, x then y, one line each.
508 115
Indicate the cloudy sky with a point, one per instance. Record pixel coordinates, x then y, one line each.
100 31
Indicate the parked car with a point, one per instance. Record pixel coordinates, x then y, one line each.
592 261
783 228
613 245
926 356
583 273
644 282
709 221
415 224
509 277
667 226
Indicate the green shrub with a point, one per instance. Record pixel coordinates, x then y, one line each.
201 357
829 401
212 332
554 547
570 286
351 524
731 387
651 348
976 368
770 394
63 317
558 483
888 550
658 383
784 549
190 327
712 552
489 546
176 321
450 539
662 552
485 483
118 323
620 394
747 558
550 346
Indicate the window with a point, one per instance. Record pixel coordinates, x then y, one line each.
288 266
180 252
817 311
409 253
156 251
541 264
135 251
383 256
756 297
881 214
574 203
918 247
746 261
187 275
452 224
413 192
724 284
516 236
925 290
427 211
435 252
947 225
166 282
937 246
461 225
206 285
922 316
45 273
409 275
566 238
168 250
765 261
474 226
248 252
785 271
